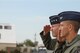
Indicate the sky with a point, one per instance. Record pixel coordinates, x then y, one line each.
29 16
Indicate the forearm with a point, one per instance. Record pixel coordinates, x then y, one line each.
48 42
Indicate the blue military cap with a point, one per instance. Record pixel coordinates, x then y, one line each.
69 15
54 19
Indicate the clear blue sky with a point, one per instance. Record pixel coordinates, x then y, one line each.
30 16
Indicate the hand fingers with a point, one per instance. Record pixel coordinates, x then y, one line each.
58 36
47 28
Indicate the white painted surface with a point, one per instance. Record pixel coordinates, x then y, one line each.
8 35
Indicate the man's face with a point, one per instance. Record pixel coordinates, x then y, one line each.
54 29
63 29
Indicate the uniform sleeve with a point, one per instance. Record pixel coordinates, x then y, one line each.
48 42
75 49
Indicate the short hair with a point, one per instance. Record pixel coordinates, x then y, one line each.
75 24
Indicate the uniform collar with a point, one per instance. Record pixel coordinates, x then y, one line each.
73 41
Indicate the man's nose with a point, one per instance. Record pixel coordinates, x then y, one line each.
51 28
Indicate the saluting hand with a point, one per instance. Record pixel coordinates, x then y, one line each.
59 38
46 29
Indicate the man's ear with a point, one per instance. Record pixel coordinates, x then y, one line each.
70 27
